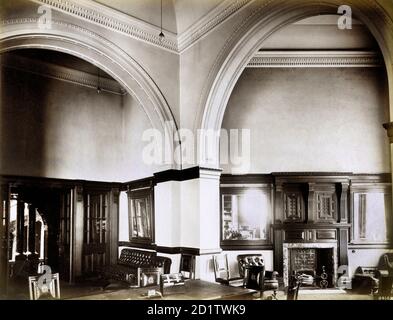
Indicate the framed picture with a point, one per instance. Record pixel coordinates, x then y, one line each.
187 266
150 276
141 221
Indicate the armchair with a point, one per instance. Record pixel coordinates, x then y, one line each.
252 269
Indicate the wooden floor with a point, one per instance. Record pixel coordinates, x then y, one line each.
328 294
201 291
192 290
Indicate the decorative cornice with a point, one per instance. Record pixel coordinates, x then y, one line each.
325 59
207 23
119 22
112 19
61 73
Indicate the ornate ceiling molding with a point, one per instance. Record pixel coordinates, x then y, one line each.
114 20
207 23
61 73
309 59
119 22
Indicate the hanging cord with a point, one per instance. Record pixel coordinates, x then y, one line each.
161 35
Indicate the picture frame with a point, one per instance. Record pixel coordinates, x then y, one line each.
149 276
141 216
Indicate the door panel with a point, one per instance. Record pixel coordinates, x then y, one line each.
4 238
95 247
65 235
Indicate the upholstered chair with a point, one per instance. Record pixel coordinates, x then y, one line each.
255 264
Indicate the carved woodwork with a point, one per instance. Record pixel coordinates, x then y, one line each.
326 203
294 209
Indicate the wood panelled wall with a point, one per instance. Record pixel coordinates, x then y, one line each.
344 208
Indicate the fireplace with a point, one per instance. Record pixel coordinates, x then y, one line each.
311 259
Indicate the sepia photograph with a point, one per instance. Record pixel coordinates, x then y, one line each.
196 150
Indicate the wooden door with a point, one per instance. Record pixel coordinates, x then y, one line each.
4 238
95 246
65 236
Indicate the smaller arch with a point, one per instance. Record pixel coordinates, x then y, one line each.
257 28
84 44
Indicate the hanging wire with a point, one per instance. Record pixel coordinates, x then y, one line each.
161 35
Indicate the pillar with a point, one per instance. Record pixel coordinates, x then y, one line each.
311 203
343 214
187 216
279 206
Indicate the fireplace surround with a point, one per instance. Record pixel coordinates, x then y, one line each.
308 259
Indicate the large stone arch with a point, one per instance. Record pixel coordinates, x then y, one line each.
266 18
80 42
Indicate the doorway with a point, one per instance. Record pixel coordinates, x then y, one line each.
34 232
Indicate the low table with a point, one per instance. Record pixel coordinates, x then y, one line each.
193 290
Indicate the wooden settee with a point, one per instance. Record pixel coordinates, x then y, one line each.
132 261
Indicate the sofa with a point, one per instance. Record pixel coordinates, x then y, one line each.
131 262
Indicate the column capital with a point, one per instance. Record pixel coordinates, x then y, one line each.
389 130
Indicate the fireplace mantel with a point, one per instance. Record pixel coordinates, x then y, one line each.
316 245
311 211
